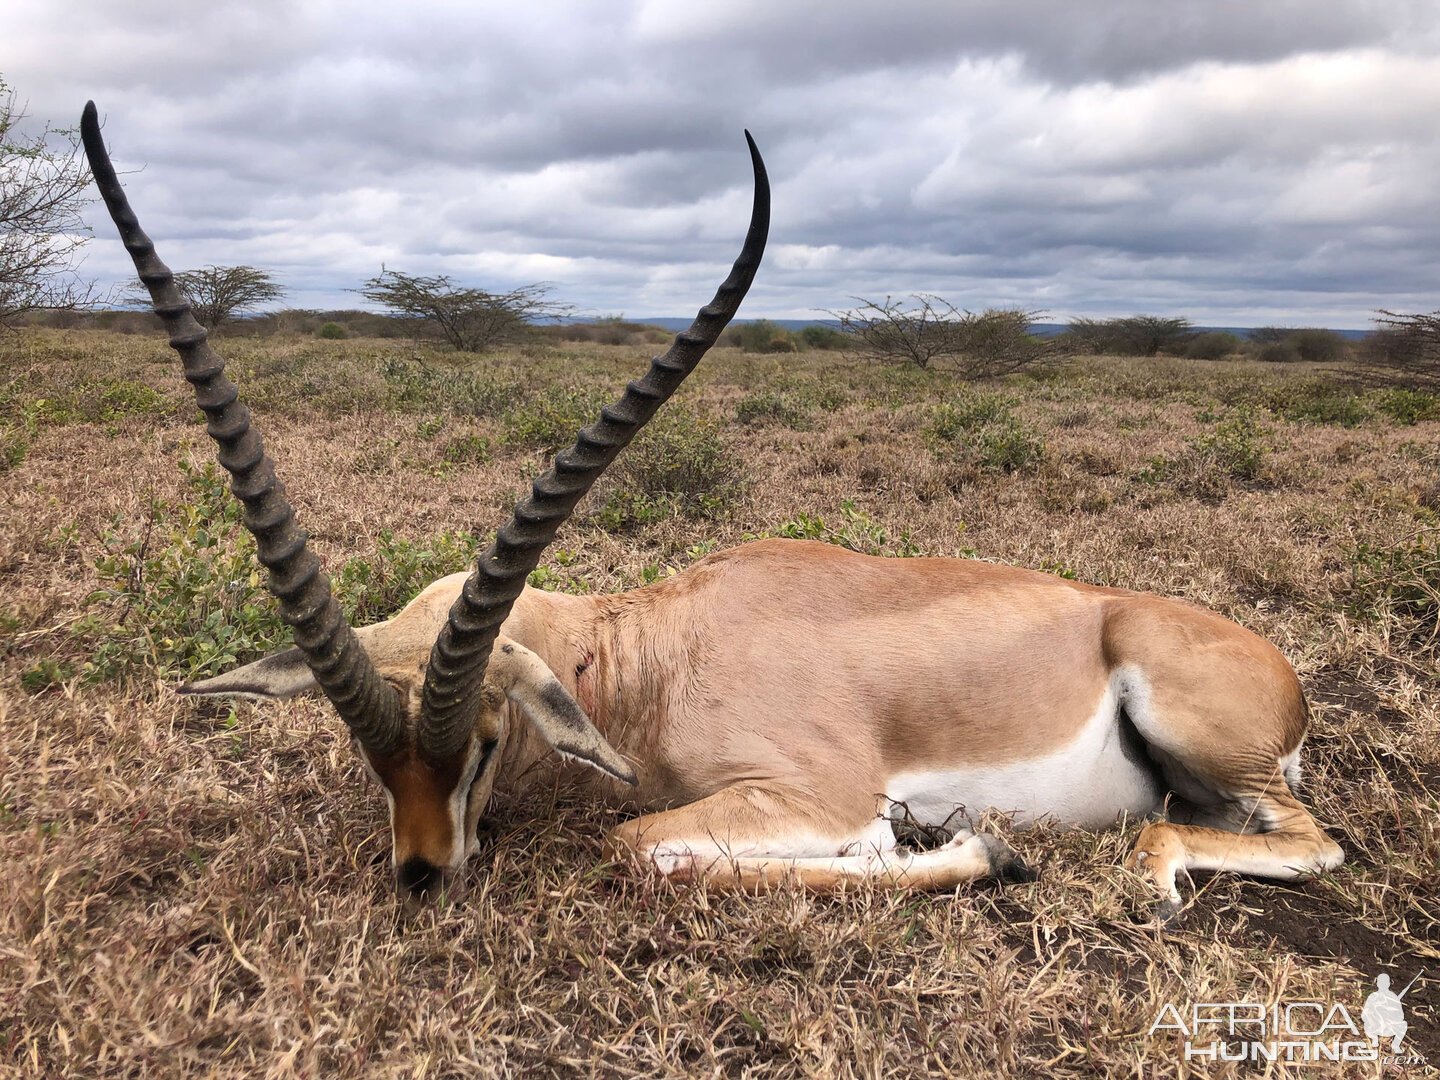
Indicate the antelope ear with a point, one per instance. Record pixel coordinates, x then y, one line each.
280 676
558 718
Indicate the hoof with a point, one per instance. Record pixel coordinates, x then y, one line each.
1168 911
1017 872
1005 865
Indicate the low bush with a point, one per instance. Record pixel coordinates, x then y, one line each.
1320 346
413 385
679 465
826 338
995 439
189 597
1278 352
772 406
1286 345
1234 451
184 597
376 587
968 412
14 445
1406 406
1317 401
1399 581
1213 345
467 450
550 419
857 530
761 336
1009 448
1128 335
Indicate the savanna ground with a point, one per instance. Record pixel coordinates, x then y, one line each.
200 890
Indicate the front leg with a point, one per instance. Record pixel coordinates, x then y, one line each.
752 838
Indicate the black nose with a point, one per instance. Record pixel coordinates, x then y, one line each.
418 875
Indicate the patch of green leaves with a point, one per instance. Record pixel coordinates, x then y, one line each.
1233 451
184 597
469 449
985 427
549 420
375 588
1318 401
1406 406
856 530
680 465
1400 581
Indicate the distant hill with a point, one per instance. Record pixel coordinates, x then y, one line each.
1042 329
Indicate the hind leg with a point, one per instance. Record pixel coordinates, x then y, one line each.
1223 716
753 838
1289 844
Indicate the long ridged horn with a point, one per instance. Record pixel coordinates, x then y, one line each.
462 651
369 705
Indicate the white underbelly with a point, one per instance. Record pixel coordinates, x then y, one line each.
1088 782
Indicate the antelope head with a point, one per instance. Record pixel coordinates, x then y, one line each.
428 732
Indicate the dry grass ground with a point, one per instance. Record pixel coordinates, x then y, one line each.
195 890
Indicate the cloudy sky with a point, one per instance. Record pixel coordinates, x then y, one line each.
1239 163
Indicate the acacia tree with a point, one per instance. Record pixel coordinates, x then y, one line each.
1409 343
42 190
217 294
1129 335
471 320
980 344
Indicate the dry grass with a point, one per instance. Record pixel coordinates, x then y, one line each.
191 890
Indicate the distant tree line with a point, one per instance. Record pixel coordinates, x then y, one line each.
1153 335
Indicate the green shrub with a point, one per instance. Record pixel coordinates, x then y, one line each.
857 531
1129 335
1236 447
331 331
625 511
1316 401
97 401
550 420
189 595
43 674
824 337
415 386
985 424
679 465
1233 451
467 450
375 588
1285 345
772 406
1319 346
1278 352
189 599
762 336
13 447
1402 405
129 397
831 397
967 412
1010 447
1213 345
1401 581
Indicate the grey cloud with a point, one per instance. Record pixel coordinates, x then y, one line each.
1235 159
